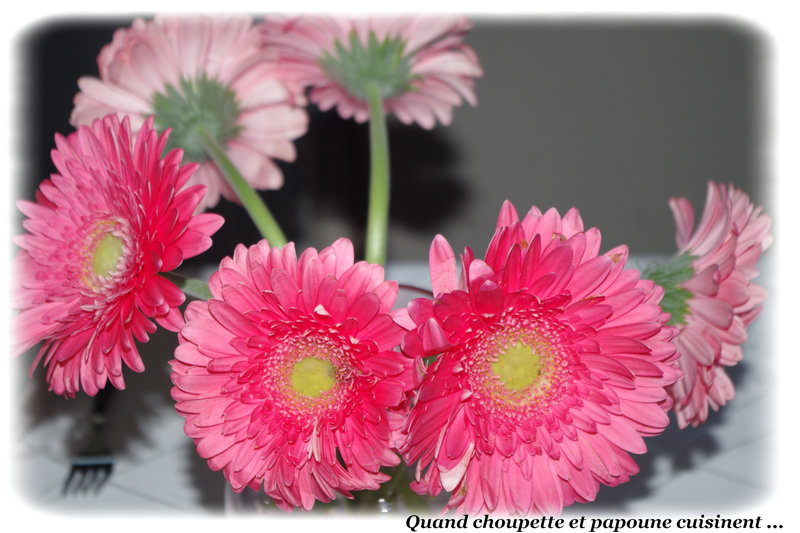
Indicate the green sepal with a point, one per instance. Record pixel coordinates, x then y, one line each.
671 275
191 287
383 63
200 104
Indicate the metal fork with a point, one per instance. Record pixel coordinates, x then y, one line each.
92 466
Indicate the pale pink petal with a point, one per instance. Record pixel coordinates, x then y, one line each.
434 50
725 247
151 55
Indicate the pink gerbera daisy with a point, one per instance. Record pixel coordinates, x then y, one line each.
420 63
200 73
102 229
553 363
710 294
289 377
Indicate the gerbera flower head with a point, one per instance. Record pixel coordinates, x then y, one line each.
420 63
552 363
200 75
102 229
288 378
710 294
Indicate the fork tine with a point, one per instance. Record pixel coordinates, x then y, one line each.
85 477
92 467
91 477
69 486
104 472
90 473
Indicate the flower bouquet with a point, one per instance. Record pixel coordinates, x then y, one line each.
519 383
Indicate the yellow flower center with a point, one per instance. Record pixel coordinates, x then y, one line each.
106 255
311 376
517 366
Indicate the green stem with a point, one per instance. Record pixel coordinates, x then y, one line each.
191 287
378 210
251 201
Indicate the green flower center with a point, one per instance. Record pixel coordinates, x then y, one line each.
311 376
102 253
517 367
381 63
106 255
671 275
200 107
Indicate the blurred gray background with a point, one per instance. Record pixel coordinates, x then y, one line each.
609 116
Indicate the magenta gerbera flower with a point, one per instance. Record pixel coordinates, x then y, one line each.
102 229
200 73
552 363
420 63
289 377
711 296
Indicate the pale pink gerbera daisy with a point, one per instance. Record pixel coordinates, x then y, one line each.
420 63
200 72
710 294
114 216
553 363
289 377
